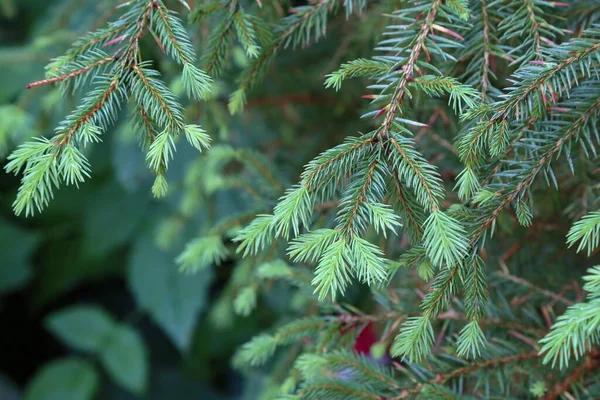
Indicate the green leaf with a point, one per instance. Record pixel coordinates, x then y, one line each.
17 249
524 215
8 390
197 137
161 151
276 269
538 389
64 379
81 327
383 218
160 188
257 351
174 300
196 82
124 356
256 236
294 207
467 184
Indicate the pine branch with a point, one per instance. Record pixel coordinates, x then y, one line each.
90 111
485 73
518 104
591 364
408 71
71 75
526 179
165 110
419 174
121 76
475 366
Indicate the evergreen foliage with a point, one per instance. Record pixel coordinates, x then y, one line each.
446 219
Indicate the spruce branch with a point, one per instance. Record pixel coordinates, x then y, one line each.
303 24
474 367
71 75
546 157
539 82
119 77
590 365
407 208
408 71
586 231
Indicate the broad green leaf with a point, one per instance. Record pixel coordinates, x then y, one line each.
64 379
17 249
82 327
8 390
173 299
66 265
167 382
112 218
125 358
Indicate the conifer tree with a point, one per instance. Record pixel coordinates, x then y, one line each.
449 217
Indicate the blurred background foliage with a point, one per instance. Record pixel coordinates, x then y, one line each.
102 259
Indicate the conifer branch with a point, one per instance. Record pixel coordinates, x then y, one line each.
71 75
432 194
590 365
408 71
174 121
175 41
347 227
485 73
475 366
415 224
515 106
120 76
316 391
545 158
535 31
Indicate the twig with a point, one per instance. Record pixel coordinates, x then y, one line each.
525 283
443 378
591 364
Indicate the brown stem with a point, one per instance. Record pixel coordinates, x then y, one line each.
545 292
361 197
163 104
105 96
485 79
443 378
590 365
544 159
414 167
71 75
408 70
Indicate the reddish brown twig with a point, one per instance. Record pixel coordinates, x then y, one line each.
71 75
591 364
443 378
